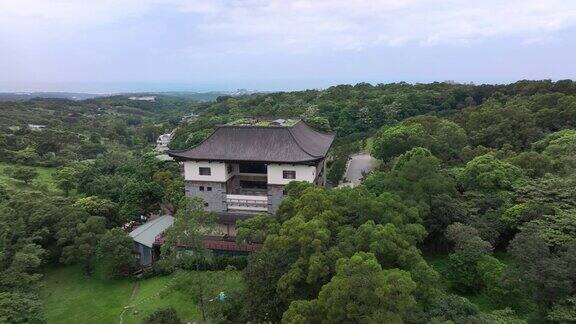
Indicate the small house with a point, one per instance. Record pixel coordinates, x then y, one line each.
145 235
36 127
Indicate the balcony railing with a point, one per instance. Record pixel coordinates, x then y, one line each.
247 203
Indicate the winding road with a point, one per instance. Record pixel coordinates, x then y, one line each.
357 165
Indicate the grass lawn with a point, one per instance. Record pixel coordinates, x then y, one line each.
44 179
71 297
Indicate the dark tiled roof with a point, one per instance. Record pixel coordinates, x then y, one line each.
298 143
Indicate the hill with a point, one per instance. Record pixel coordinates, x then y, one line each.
469 216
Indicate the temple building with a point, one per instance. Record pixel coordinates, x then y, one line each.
238 171
243 167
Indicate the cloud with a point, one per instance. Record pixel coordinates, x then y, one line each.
256 26
362 23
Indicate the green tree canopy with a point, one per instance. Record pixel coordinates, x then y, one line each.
415 176
255 229
360 291
488 173
443 138
22 173
67 177
86 236
101 207
560 147
183 242
114 253
20 308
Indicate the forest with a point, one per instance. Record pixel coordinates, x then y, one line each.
469 218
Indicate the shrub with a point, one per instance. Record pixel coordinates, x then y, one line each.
163 316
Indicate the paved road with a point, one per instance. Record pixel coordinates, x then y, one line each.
358 164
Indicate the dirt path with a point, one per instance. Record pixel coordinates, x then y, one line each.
134 291
132 296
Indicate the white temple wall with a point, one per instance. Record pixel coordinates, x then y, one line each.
303 173
218 171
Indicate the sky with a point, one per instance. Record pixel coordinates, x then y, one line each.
103 46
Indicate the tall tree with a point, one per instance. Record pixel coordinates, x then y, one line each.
359 292
183 245
114 253
22 173
87 234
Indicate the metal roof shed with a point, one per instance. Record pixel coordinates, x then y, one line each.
145 235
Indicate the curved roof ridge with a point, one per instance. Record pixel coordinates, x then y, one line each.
253 126
300 144
306 148
313 129
291 144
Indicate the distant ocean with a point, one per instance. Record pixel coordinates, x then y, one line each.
110 87
120 87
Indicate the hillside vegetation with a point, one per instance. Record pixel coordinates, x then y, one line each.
72 297
469 218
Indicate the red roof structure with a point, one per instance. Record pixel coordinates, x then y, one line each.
219 244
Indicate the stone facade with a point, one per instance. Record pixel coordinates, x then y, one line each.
275 197
213 194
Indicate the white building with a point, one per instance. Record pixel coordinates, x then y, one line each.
243 168
163 141
36 127
143 98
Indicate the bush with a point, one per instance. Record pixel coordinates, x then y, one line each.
163 316
215 263
452 309
218 262
159 269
